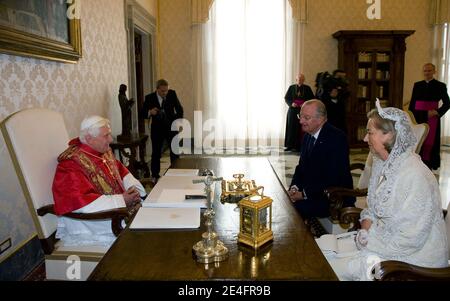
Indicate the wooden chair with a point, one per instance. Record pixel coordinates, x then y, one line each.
348 218
35 138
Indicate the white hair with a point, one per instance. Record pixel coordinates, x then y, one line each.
91 126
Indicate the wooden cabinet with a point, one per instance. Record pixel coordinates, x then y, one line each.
374 63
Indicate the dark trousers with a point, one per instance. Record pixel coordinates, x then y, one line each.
157 147
313 208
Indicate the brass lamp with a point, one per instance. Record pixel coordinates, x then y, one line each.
255 220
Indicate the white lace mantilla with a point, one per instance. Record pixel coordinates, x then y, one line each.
404 206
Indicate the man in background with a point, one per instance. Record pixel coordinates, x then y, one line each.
425 106
163 107
295 96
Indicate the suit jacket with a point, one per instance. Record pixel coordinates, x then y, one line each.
172 110
325 166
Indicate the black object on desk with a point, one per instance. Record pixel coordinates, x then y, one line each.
139 168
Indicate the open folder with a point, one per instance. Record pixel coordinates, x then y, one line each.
166 218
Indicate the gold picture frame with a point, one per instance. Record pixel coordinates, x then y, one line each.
23 40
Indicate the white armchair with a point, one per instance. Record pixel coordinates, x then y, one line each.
35 138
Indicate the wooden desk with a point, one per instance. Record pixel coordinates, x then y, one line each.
137 141
167 255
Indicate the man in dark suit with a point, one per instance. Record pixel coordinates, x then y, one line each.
162 107
425 107
324 162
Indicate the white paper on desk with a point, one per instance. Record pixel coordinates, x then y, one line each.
341 245
181 172
166 218
176 198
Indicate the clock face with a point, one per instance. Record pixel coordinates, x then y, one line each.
247 221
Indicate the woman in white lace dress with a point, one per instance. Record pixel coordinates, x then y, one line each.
404 218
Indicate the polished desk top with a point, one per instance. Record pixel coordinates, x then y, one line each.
167 254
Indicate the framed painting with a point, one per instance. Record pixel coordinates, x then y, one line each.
45 29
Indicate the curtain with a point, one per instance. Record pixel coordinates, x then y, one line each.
440 19
243 64
299 10
441 58
200 11
439 12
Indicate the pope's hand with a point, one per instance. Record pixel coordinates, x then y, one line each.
131 196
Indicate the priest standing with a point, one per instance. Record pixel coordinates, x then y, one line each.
425 105
296 95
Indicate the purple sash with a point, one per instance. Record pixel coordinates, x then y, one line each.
299 102
422 105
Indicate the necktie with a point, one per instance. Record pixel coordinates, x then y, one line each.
311 143
162 112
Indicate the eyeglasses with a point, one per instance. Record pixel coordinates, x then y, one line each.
306 118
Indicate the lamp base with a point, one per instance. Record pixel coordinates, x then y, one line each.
210 249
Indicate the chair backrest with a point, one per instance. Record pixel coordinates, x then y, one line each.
35 138
421 131
363 182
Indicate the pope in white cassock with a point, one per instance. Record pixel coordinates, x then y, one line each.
90 179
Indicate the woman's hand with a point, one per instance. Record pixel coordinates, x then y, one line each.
361 239
366 224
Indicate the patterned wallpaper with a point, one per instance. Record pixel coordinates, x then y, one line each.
77 90
175 34
325 17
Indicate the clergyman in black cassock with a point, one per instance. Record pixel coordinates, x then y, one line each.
425 102
295 96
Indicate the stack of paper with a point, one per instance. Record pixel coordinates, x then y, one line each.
166 218
181 172
171 191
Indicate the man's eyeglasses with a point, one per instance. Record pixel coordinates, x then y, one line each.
307 118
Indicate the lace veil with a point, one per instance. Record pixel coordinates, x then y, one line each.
387 171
